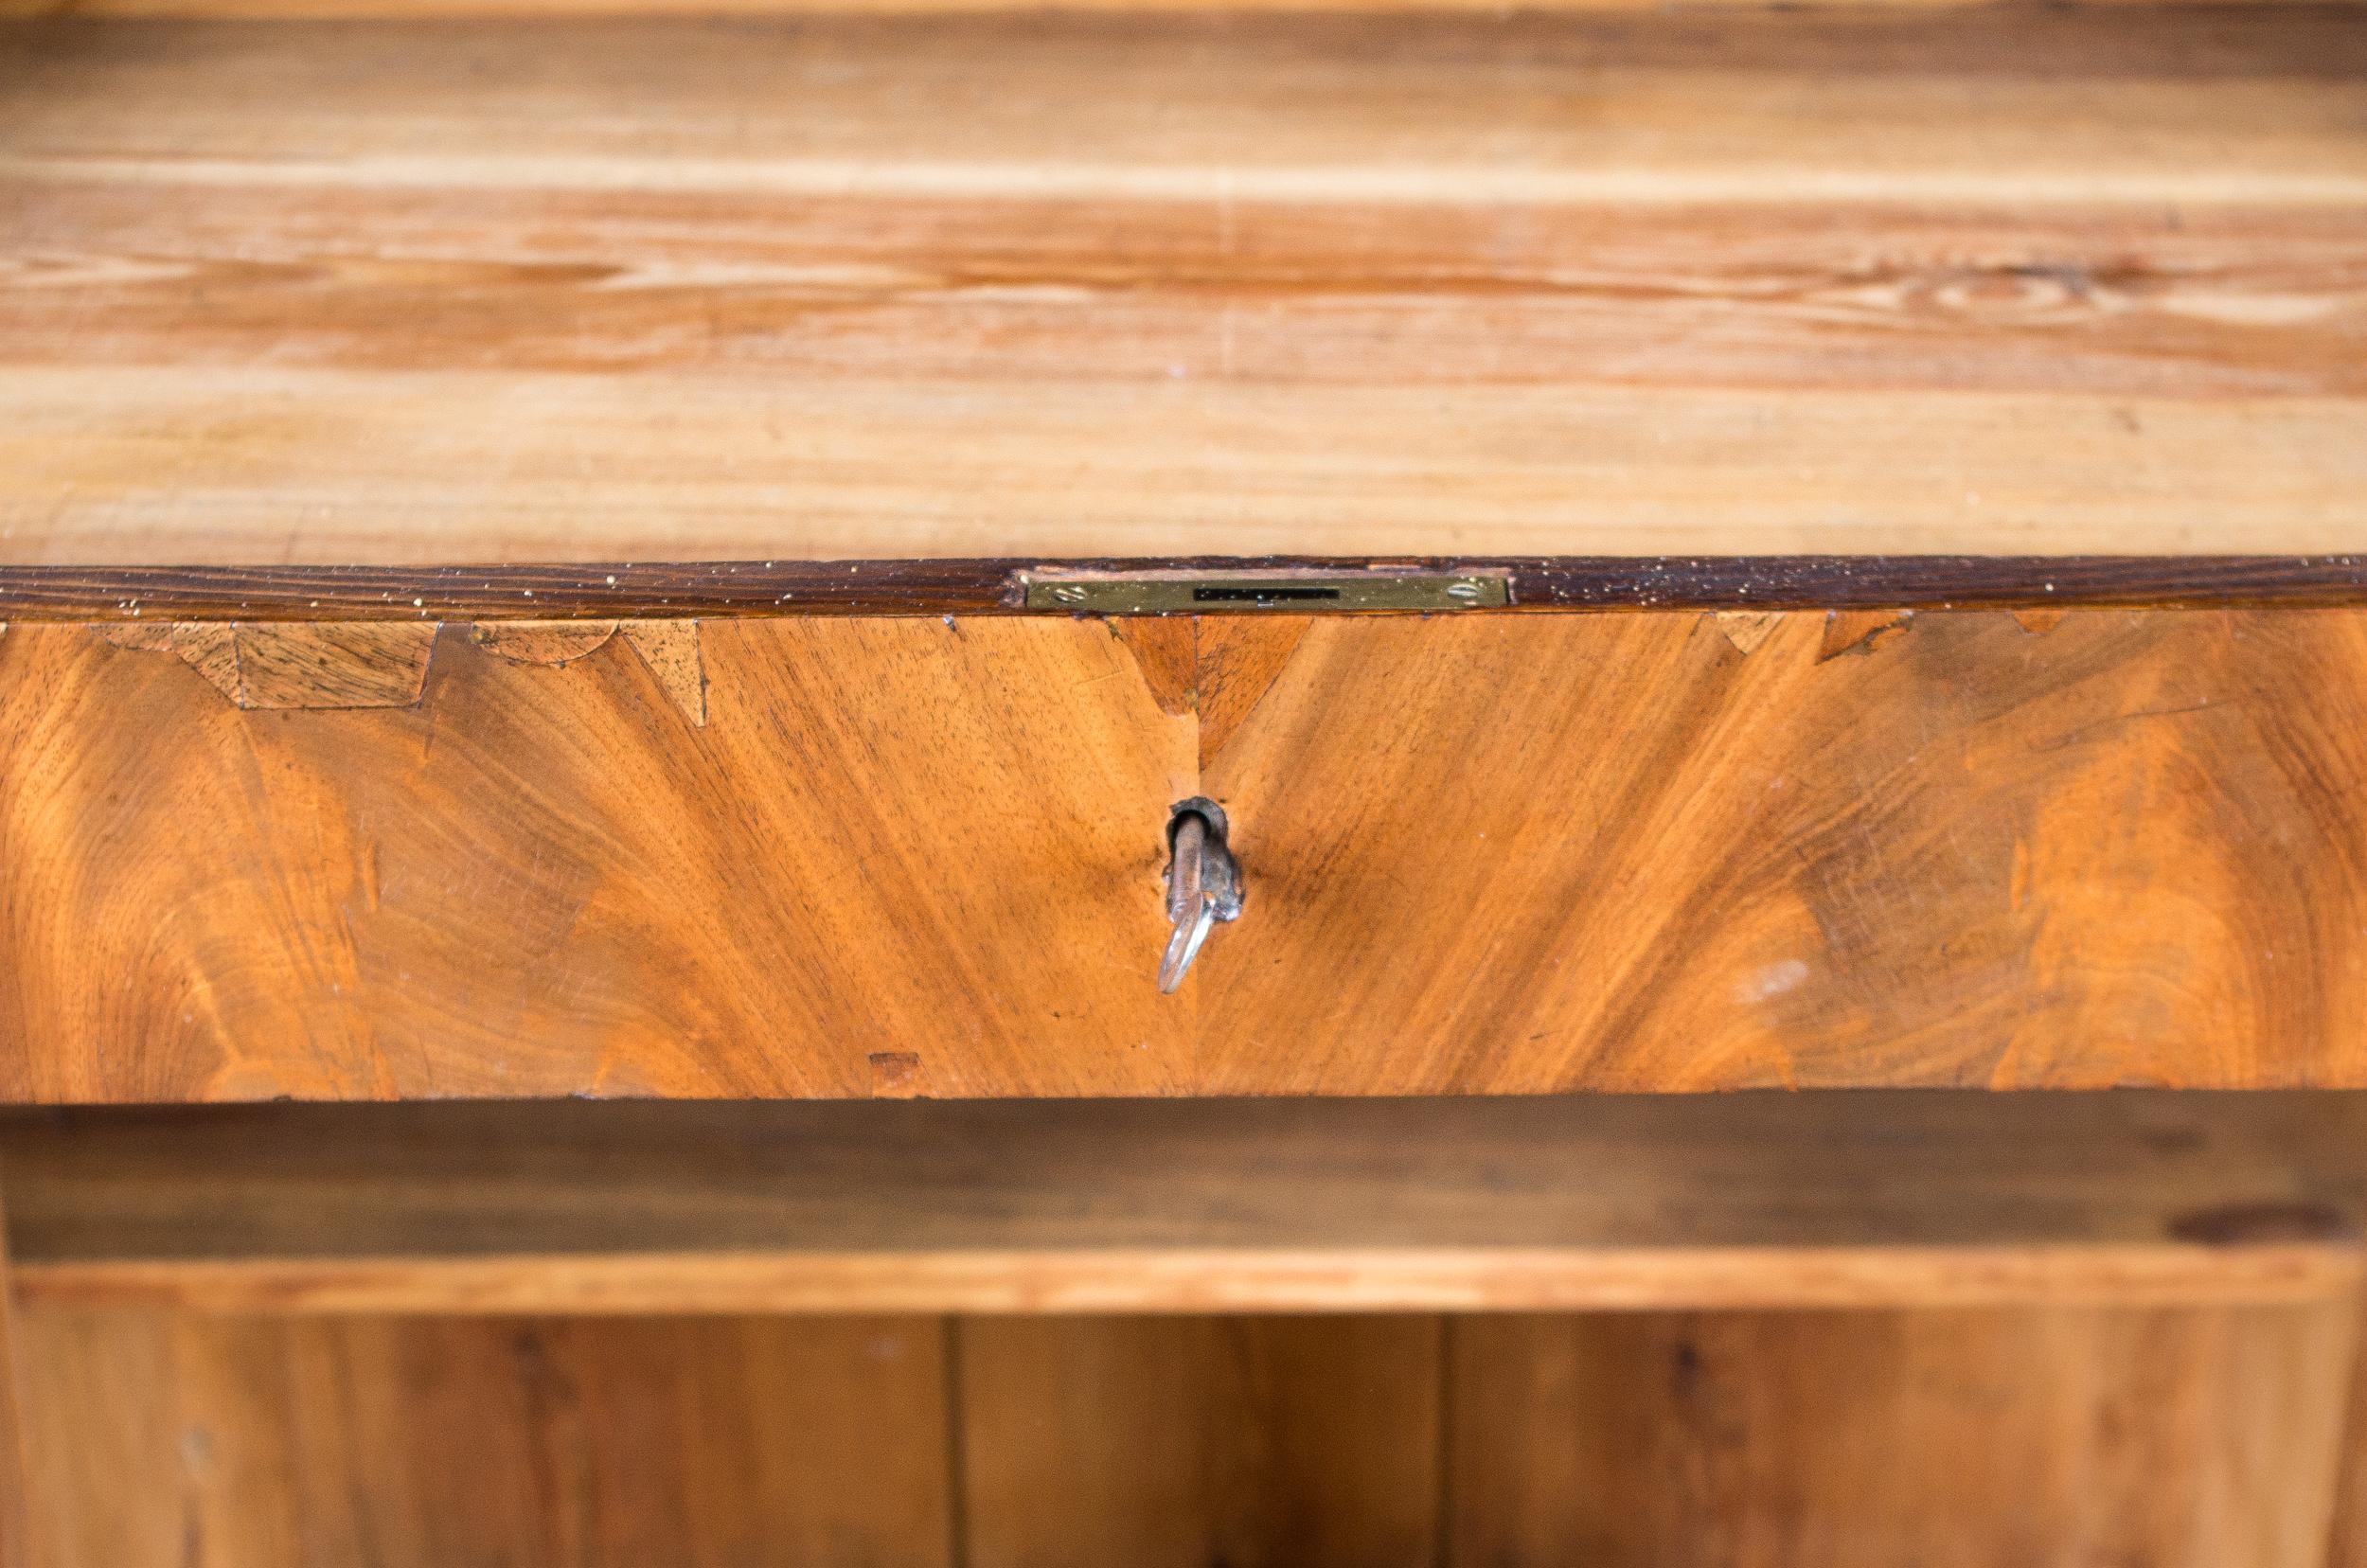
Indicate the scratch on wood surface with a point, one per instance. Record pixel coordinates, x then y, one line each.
897 1075
1167 650
297 664
1858 631
1747 629
1239 659
670 648
558 642
2039 622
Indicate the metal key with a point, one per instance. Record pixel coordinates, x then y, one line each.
1203 884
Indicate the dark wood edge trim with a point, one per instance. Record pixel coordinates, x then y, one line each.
980 587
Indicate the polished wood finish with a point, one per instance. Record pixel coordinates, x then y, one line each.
2194 1438
1718 282
1623 852
889 836
1762 1201
1862 1440
840 857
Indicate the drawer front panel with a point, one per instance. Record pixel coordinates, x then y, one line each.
1652 851
897 857
1484 853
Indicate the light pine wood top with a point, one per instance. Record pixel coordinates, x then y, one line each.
1742 282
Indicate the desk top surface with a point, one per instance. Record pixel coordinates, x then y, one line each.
1979 282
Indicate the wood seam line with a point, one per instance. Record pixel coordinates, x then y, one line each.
1442 1516
16 1500
2343 1537
956 1445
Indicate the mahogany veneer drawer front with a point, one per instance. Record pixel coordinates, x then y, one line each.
838 856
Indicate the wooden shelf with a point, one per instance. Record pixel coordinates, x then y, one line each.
1751 1201
1984 281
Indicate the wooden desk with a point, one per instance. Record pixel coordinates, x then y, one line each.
532 555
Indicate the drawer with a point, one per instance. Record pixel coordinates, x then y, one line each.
842 856
803 857
1665 851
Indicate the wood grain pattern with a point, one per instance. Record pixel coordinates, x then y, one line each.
1862 1441
301 665
670 649
2197 1438
206 1442
1491 854
1533 285
892 835
1617 852
1175 1443
1762 1201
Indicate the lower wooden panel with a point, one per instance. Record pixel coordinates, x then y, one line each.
2041 1438
1949 1440
530 1443
1180 1442
2349 1545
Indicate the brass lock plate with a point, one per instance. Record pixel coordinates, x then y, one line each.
1304 591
